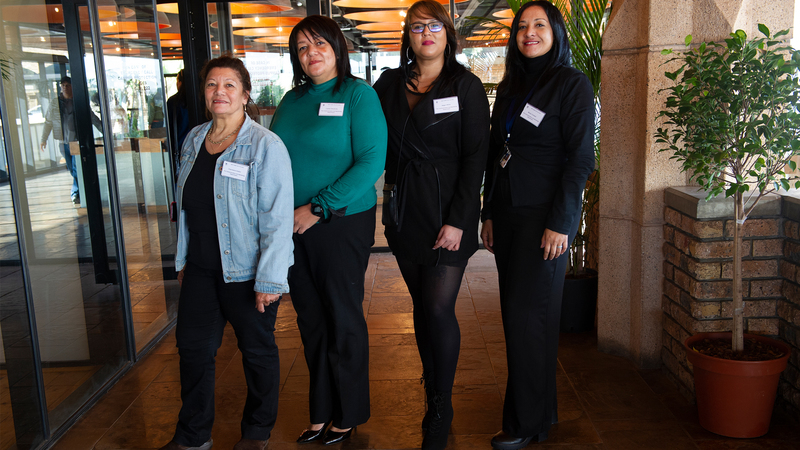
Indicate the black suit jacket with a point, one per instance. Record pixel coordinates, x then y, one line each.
438 167
550 162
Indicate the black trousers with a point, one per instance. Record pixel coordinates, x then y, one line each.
530 302
206 303
327 289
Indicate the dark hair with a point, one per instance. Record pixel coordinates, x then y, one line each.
451 67
179 76
319 27
227 61
66 80
559 54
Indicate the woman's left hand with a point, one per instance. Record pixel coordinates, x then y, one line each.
304 219
554 244
263 300
449 238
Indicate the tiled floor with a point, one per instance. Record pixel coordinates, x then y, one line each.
604 401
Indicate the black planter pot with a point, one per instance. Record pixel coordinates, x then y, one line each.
578 303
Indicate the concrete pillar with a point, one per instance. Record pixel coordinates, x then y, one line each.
634 172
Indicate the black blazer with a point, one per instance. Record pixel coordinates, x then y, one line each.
550 163
439 168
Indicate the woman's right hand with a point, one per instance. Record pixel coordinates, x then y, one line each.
304 219
487 236
180 277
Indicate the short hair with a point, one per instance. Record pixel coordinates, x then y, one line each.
326 28
179 76
559 54
433 9
228 61
66 80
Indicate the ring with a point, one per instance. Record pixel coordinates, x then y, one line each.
560 246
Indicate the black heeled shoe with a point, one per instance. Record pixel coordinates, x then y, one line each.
333 437
503 441
312 435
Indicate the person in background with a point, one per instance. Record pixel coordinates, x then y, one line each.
438 119
234 251
335 132
178 116
541 152
60 119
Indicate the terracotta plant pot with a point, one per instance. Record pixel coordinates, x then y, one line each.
735 398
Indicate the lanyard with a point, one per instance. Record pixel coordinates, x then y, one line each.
512 115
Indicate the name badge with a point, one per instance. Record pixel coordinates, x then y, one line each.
331 109
234 170
445 105
532 114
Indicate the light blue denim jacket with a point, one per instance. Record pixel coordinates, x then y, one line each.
255 217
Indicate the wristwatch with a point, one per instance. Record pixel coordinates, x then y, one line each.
317 211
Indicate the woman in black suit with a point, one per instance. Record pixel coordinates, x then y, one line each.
438 119
540 155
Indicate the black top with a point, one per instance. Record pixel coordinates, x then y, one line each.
440 167
550 162
198 204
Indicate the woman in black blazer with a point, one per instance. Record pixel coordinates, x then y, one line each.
540 155
438 119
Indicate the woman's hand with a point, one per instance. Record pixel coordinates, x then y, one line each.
487 235
180 277
449 238
303 219
263 300
554 244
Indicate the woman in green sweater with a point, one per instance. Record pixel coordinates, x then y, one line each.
333 126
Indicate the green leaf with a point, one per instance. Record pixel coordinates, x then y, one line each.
763 29
688 40
666 51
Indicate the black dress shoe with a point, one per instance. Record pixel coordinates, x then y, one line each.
332 437
312 435
503 441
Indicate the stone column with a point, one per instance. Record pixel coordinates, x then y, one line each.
634 173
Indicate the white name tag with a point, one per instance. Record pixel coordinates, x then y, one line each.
445 105
234 170
331 109
532 114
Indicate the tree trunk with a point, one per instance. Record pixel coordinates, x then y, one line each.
738 304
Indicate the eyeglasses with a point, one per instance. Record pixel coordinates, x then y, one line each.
435 27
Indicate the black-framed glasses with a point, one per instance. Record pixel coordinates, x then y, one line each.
418 27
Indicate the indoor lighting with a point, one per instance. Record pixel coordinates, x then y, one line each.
56 9
280 29
299 4
119 49
403 13
257 18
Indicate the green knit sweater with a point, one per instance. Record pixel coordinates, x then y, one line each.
336 159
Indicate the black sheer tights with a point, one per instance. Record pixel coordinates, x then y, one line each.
433 292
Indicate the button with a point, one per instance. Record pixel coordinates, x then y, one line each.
227 252
224 225
228 278
219 195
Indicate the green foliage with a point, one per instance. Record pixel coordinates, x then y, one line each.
6 64
270 95
732 119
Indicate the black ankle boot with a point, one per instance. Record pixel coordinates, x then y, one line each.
427 381
439 426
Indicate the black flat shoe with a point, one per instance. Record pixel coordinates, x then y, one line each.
312 435
332 437
503 441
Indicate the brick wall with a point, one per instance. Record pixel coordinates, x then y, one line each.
698 273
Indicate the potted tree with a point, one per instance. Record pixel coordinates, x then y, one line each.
732 122
586 21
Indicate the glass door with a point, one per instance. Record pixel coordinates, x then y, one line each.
57 212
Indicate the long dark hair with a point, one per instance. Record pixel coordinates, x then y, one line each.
319 27
228 61
559 54
451 67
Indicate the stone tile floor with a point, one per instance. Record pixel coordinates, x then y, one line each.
604 401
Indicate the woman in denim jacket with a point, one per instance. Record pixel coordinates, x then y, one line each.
234 251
